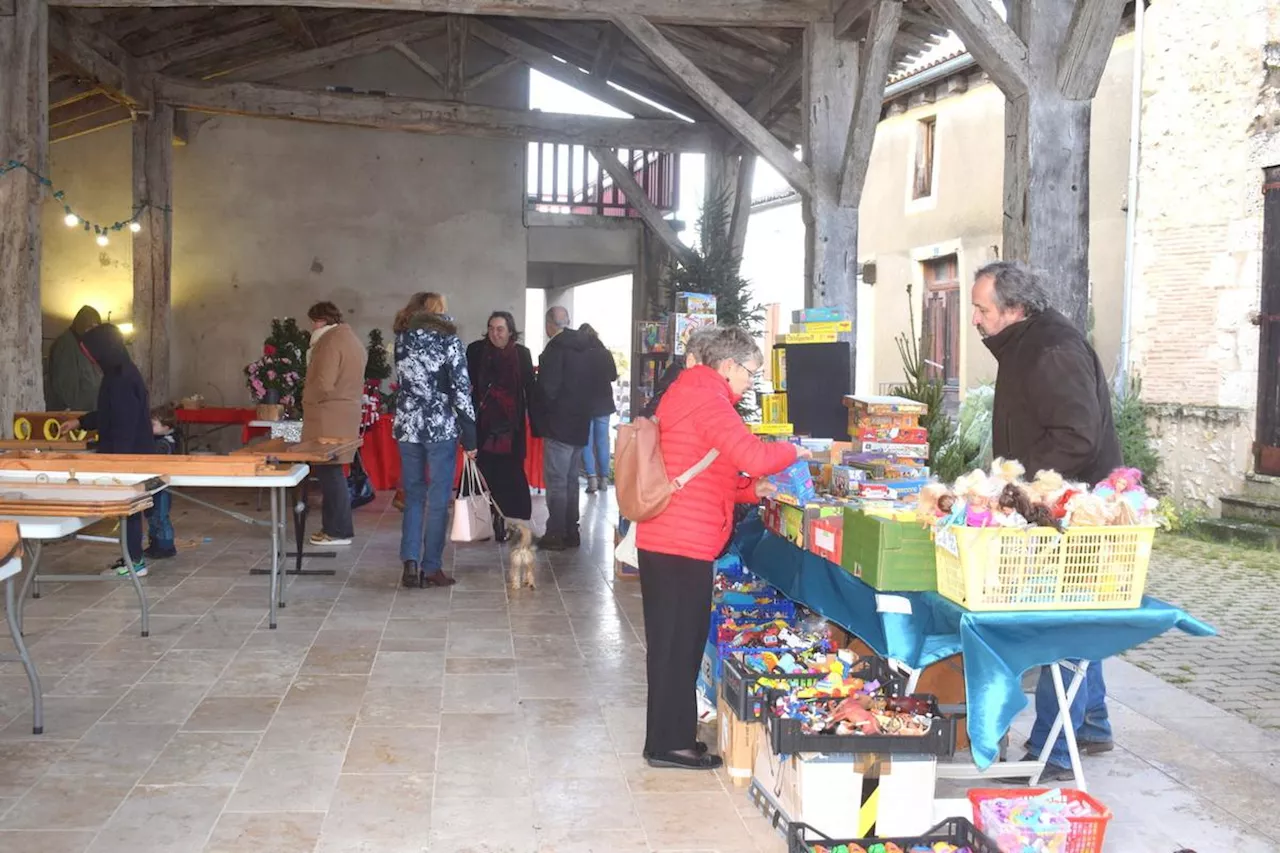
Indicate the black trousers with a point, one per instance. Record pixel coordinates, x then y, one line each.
335 516
676 592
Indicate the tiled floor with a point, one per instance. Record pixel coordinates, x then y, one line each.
470 719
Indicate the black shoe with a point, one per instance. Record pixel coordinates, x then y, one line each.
680 761
551 543
157 552
698 747
573 540
1051 773
411 578
438 578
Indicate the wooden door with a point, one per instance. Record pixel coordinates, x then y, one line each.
1267 446
940 334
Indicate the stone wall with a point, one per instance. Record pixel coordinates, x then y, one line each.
1198 260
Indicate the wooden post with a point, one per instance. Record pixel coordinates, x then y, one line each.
830 86
153 247
24 137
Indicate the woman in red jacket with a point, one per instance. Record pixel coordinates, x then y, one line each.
677 547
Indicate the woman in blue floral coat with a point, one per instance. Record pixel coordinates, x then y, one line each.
433 413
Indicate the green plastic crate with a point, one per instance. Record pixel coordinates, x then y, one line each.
889 555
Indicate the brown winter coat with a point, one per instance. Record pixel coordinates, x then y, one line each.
334 386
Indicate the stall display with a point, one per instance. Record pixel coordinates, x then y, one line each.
865 723
956 835
1038 820
891 449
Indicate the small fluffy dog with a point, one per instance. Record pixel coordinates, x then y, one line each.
522 556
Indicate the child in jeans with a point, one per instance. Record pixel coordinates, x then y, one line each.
159 527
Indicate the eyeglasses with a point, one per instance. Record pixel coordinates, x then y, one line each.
753 374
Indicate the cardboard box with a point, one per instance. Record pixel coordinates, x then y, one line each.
695 303
818 315
857 421
773 408
824 791
739 741
772 429
779 358
845 480
883 404
816 338
826 538
890 448
889 555
894 435
684 325
822 327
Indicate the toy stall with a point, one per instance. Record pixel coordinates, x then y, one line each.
871 628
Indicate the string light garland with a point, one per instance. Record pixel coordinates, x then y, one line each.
72 219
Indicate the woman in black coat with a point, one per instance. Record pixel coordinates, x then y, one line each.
501 373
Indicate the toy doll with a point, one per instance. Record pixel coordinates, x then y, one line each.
1046 487
975 488
1125 484
1016 502
935 503
1005 471
1085 510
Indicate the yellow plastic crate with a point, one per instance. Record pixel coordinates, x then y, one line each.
1087 568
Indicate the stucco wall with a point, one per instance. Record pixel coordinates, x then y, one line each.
1199 234
271 216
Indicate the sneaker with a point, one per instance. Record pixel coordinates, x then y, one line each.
323 538
118 569
592 485
159 552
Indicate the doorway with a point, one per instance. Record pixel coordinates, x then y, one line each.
940 331
1267 445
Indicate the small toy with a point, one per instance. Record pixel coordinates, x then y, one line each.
795 483
935 502
1015 503
1046 487
975 489
1085 510
1007 470
1124 485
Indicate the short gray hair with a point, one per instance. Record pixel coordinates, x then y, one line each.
1016 286
730 343
558 316
697 343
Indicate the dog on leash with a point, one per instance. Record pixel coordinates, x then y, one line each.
521 559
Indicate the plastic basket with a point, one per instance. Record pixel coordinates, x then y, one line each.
1086 568
786 737
1085 833
741 691
802 838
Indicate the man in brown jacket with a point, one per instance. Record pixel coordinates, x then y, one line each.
331 401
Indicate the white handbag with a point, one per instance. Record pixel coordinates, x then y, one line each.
625 551
472 521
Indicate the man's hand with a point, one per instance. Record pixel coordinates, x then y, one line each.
765 489
803 452
69 426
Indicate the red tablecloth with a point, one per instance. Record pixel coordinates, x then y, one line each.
381 457
220 417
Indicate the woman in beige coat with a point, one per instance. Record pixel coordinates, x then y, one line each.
331 409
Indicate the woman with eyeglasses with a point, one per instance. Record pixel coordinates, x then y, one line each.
697 419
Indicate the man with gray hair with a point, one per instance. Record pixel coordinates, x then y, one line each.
562 417
1052 411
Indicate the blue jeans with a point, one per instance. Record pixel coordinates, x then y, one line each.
596 457
426 472
560 469
1088 712
159 527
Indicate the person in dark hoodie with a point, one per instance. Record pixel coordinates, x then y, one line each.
122 419
563 420
604 372
433 412
73 378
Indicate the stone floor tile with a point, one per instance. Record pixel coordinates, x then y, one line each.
287 781
380 812
57 841
379 749
585 804
157 704
277 832
163 819
232 714
203 758
115 749
69 802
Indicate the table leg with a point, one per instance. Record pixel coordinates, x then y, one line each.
282 529
300 513
275 559
29 580
137 584
15 631
1062 723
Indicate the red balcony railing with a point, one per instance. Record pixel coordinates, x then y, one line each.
568 179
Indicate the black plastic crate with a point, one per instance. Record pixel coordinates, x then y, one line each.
802 838
787 738
739 685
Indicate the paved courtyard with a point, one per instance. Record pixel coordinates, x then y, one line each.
1236 591
467 719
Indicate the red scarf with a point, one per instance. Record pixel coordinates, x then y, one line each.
498 388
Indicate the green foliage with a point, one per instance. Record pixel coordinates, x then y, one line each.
377 368
975 422
1137 447
1177 519
950 452
714 268
281 370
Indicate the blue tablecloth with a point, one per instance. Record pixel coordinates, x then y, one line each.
919 628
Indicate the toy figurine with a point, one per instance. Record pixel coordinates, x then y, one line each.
1046 487
1005 471
1016 503
935 503
1085 510
1125 485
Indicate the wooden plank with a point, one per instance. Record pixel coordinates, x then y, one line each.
493 72
741 213
119 114
112 490
991 41
69 91
625 181
432 117
290 20
317 450
730 113
455 56
849 13
711 13
153 246
748 64
565 72
24 136
210 46
81 109
41 444
98 57
102 463
416 60
606 51
361 45
877 58
1084 55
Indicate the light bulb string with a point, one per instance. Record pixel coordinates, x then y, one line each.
60 195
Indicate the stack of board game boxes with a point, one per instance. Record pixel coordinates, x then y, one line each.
890 455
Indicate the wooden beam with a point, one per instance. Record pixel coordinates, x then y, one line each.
849 13
723 55
98 57
991 41
69 91
765 103
710 13
431 117
606 51
730 113
118 114
456 56
290 20
153 246
566 72
24 136
625 181
81 109
191 51
493 72
877 57
421 64
361 45
741 213
1084 55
